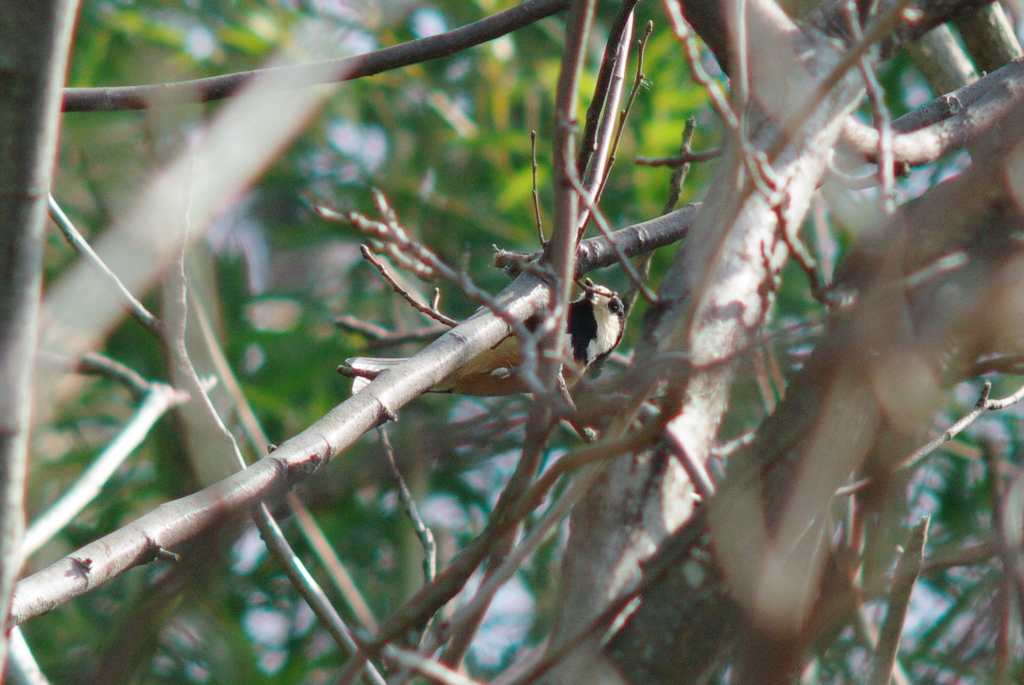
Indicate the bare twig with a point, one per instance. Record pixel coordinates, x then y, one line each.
678 178
984 404
539 532
908 568
590 454
695 470
594 253
138 310
536 196
335 568
452 579
159 399
396 240
23 668
669 554
561 249
805 260
638 81
378 335
616 52
101 365
309 589
428 668
679 160
261 445
512 509
329 71
601 149
423 532
606 231
279 547
755 161
94 362
431 312
883 120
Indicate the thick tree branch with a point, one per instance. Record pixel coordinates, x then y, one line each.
35 38
964 116
870 375
172 523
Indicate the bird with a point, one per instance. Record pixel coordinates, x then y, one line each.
595 325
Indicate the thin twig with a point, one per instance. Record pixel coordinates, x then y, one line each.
602 148
391 236
452 579
678 178
668 556
606 231
513 508
94 362
695 470
329 71
536 195
590 454
561 249
293 567
309 589
424 533
89 484
428 668
261 445
908 568
539 532
805 260
378 336
81 245
23 669
619 33
679 160
101 365
675 190
755 161
984 404
416 304
883 120
638 81
342 579
909 462
594 253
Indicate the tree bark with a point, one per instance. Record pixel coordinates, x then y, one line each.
34 41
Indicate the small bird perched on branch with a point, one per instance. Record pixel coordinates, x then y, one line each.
595 324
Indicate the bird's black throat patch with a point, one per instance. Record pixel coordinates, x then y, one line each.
582 329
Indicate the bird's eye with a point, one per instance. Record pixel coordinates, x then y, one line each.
615 306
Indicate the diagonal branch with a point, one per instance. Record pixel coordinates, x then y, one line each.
174 522
304 75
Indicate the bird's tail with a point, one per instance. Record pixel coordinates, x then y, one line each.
362 370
